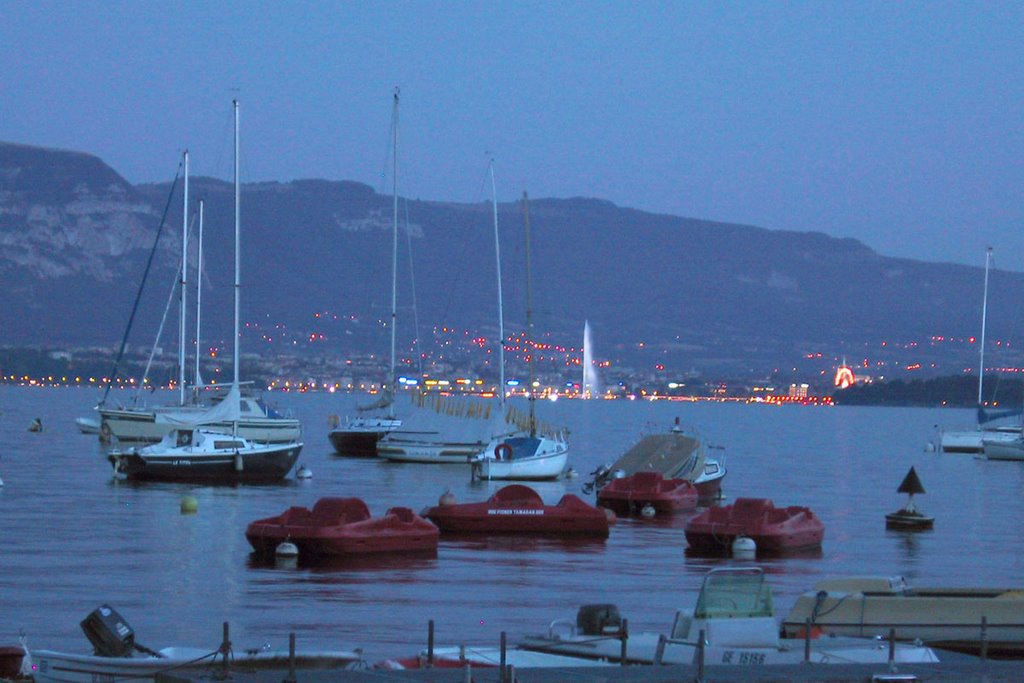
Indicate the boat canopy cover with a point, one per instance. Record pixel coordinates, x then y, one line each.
227 410
985 416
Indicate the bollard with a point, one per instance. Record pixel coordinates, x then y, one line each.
807 641
624 635
291 659
984 638
700 657
892 650
501 666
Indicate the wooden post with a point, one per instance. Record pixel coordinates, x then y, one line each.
807 641
623 653
984 638
430 643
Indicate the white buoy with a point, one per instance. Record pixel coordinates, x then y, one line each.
303 473
648 510
743 546
286 549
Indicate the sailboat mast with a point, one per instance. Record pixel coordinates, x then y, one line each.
984 314
394 249
529 316
238 254
501 313
182 283
199 291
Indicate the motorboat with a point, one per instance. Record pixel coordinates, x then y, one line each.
340 527
958 619
359 435
734 621
972 441
87 425
196 454
772 529
675 455
522 457
117 656
648 494
518 509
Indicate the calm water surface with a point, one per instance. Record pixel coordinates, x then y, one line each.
72 538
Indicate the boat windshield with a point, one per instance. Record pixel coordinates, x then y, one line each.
734 593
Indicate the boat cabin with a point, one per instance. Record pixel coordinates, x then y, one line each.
734 609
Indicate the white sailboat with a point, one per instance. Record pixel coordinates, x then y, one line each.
532 452
359 435
453 430
973 440
192 450
137 425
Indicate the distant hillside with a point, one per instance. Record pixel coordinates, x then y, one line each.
76 237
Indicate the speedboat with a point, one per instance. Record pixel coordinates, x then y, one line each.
522 457
200 455
772 529
117 656
674 455
518 509
648 494
343 527
949 618
734 616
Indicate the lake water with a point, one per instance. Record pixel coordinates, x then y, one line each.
73 538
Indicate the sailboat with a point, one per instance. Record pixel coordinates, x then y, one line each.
452 430
191 450
138 425
359 435
531 452
973 441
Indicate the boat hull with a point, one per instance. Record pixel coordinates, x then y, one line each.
774 530
359 437
267 464
633 494
136 427
62 667
1010 449
517 509
522 458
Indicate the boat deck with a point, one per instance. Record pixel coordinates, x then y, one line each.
667 454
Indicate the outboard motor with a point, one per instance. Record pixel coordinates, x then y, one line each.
109 633
600 478
598 620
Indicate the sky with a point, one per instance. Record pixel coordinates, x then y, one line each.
900 124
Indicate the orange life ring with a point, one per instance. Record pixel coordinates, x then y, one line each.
503 451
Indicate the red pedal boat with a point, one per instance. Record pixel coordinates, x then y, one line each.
647 494
772 529
518 509
343 526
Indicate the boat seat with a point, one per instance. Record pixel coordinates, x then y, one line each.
296 516
402 514
340 510
647 481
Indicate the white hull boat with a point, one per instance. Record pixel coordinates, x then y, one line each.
87 425
734 615
973 441
523 458
485 657
949 618
131 426
1003 448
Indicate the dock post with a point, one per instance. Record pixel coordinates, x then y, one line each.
430 643
501 668
892 649
984 638
225 650
807 641
700 657
624 634
659 652
291 659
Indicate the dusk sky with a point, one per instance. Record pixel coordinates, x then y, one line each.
900 124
